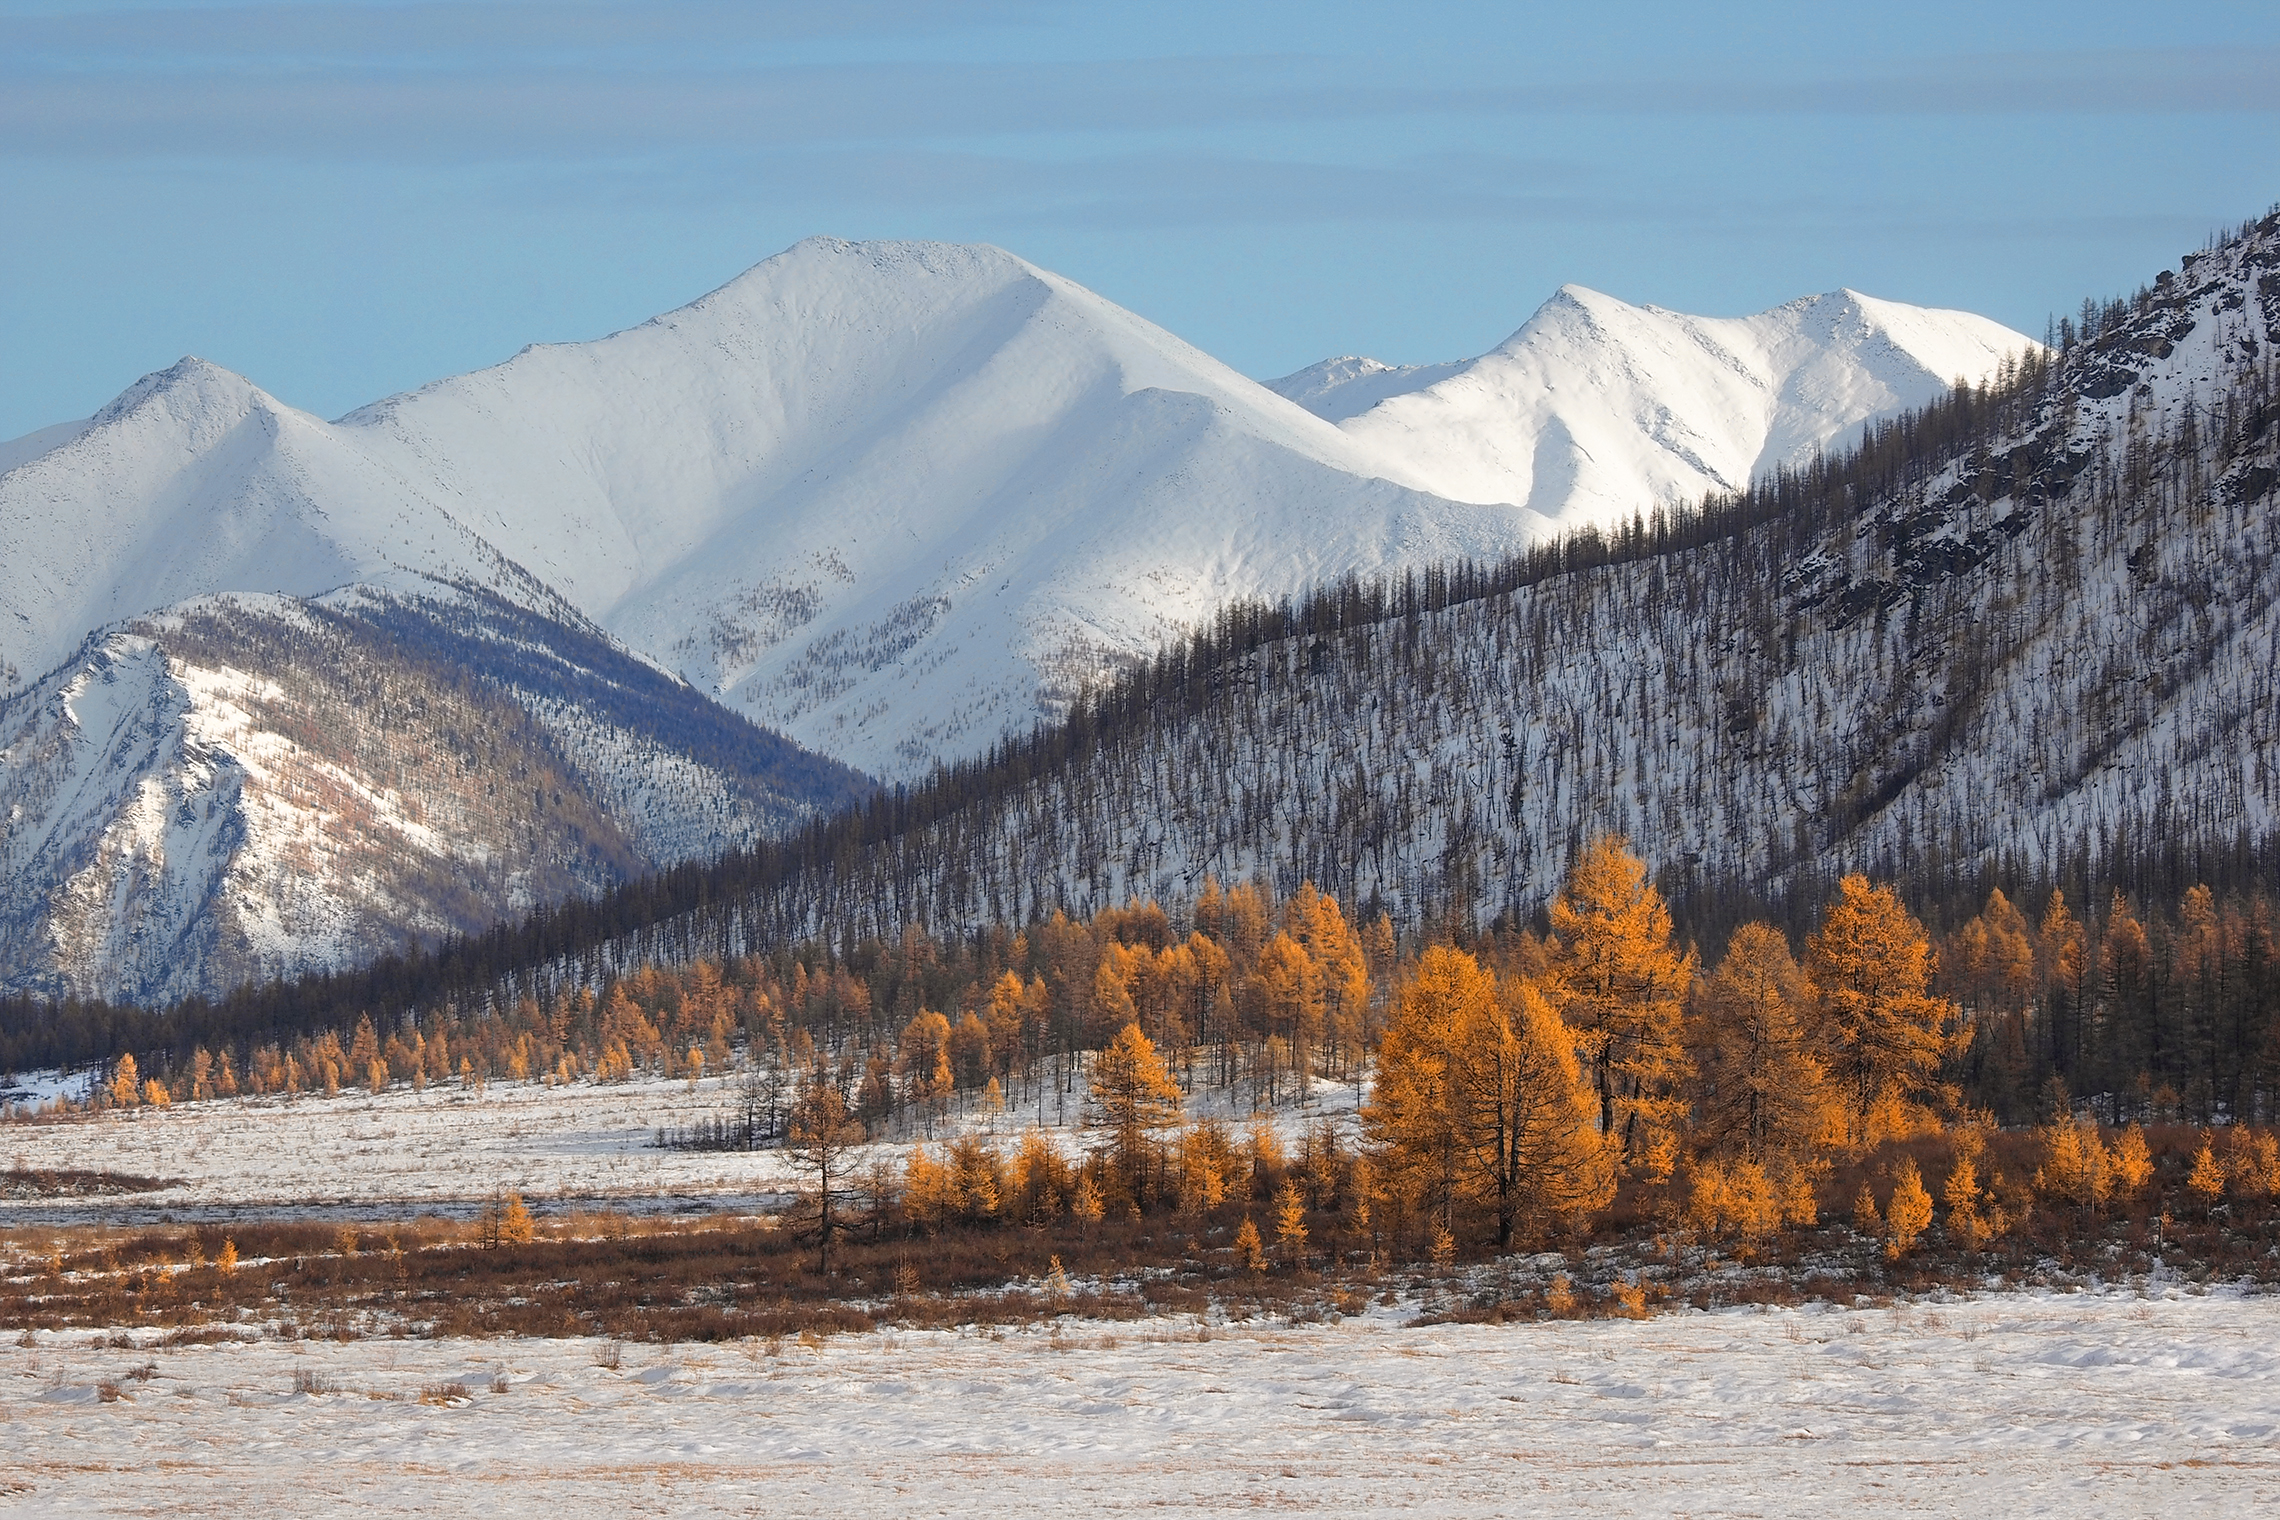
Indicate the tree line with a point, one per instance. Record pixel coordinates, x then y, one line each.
1511 1080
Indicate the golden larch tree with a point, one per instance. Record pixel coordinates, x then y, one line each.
1886 1034
1761 1089
1342 968
821 1137
1480 1099
1290 996
126 1084
1910 1211
923 1057
1132 1097
1620 984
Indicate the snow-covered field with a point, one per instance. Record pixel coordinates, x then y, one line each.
368 1158
401 1153
2024 1405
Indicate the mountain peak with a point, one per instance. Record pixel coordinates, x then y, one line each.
820 264
1597 408
189 379
1351 384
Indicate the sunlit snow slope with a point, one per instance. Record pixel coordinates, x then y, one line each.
1596 409
896 499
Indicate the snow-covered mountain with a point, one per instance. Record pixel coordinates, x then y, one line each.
894 501
1597 410
253 785
898 499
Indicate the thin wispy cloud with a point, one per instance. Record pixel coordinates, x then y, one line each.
457 83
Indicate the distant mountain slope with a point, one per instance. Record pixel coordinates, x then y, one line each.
890 497
195 481
1596 410
255 786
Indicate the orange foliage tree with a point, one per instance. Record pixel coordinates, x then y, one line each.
1620 984
1480 1102
1885 1033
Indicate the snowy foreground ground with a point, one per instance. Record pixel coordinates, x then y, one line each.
363 1157
2017 1405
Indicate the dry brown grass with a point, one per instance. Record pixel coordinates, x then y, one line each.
625 1277
641 1278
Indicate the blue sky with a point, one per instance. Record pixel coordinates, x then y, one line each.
343 200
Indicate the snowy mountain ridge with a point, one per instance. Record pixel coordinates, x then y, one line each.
898 500
1596 409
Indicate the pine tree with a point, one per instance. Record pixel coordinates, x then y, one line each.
1762 1090
1909 1212
515 1225
364 1049
1040 1176
2206 1181
2076 1164
1341 968
1290 1223
820 1138
126 1084
2252 1169
1867 1219
1133 1097
2133 1163
1086 1204
1961 1195
1248 1249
